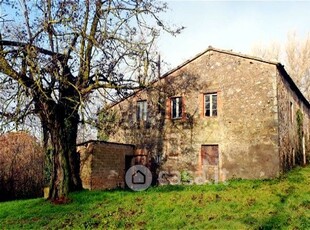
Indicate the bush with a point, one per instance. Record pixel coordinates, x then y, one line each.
21 164
186 177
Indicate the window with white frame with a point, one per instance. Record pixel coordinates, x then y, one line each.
176 107
141 110
210 104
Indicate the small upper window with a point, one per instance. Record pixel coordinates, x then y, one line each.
176 107
291 112
210 104
141 110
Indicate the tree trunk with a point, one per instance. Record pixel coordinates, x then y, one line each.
65 173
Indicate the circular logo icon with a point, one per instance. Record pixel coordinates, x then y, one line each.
138 177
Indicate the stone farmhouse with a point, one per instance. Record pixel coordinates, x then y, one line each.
221 115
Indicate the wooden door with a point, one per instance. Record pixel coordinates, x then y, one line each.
210 161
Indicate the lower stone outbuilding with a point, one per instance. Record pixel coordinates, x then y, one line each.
103 164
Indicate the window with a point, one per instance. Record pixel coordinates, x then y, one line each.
293 156
176 107
291 112
304 149
210 104
141 110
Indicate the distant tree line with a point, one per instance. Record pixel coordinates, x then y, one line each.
21 166
294 54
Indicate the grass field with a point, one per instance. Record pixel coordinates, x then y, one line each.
241 204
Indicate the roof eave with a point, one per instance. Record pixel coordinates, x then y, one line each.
292 84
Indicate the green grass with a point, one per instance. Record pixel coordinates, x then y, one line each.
241 204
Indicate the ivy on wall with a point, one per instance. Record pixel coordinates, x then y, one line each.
299 121
107 120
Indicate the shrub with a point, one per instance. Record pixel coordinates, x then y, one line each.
21 166
186 177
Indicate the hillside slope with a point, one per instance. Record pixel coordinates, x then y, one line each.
240 204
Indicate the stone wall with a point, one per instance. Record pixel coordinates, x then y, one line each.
291 148
103 164
246 129
86 152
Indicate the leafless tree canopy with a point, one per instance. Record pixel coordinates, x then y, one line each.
95 44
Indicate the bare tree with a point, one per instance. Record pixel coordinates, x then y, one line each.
294 54
298 61
56 53
271 52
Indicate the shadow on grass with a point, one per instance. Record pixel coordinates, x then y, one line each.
277 220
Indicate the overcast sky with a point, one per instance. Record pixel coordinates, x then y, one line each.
236 25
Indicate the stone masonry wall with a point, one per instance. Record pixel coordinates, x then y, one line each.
103 164
85 151
246 128
289 142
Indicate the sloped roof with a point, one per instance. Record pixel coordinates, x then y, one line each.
279 66
210 48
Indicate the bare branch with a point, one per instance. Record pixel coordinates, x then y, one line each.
26 16
24 45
